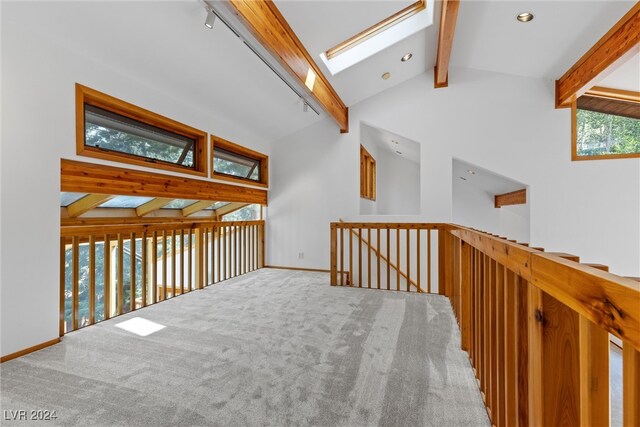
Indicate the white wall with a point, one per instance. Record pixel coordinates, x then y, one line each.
38 78
475 207
398 185
503 123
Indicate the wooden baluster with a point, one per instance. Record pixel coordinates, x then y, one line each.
205 256
408 255
190 262
465 291
522 314
226 253
182 261
262 246
334 255
493 368
120 272
535 354
510 348
398 259
75 280
630 385
486 381
173 263
359 257
236 251
63 287
132 272
92 279
154 270
499 346
107 277
429 261
369 258
212 254
418 259
219 269
594 371
145 260
199 271
165 272
341 245
388 258
244 249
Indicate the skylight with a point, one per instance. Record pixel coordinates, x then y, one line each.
125 202
67 198
384 34
179 204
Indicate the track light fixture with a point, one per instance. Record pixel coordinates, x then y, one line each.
211 19
305 106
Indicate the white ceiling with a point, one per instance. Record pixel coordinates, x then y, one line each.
488 37
166 46
484 179
392 143
625 76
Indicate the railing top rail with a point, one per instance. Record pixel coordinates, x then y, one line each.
392 225
100 230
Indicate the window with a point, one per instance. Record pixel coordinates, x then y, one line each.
247 213
112 129
233 162
367 175
606 125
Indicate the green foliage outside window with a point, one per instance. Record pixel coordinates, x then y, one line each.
602 134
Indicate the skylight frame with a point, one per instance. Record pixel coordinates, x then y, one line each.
375 29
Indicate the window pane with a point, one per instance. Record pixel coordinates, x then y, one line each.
248 213
234 164
179 204
602 134
114 132
67 198
125 202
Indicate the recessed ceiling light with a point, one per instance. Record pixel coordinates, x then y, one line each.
406 57
525 17
471 172
386 76
396 142
398 152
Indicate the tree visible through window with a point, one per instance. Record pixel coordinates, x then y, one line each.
606 128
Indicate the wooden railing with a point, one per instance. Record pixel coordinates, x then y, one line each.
109 270
536 325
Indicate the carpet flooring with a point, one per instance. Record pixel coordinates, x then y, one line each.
272 347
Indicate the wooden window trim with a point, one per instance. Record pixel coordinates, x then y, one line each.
216 141
602 92
85 95
367 175
375 29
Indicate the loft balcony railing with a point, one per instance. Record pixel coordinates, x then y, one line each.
100 278
537 326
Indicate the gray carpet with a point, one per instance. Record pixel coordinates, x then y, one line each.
273 347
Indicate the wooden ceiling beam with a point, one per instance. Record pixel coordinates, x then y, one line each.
152 205
82 177
518 197
621 42
448 18
86 203
196 207
270 28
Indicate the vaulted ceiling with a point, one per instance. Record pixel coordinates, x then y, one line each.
167 48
